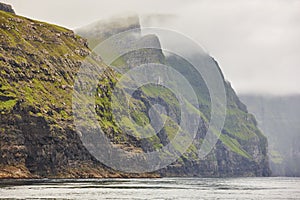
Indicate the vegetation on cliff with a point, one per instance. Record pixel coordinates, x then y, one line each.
242 140
38 64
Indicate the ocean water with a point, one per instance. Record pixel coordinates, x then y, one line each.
158 189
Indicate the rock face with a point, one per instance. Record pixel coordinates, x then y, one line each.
241 150
278 117
38 64
6 8
37 68
35 139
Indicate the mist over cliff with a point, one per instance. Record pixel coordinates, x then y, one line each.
239 135
278 118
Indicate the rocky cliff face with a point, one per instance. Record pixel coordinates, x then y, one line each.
241 150
38 64
38 61
6 8
278 117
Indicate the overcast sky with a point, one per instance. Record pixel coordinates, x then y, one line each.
256 42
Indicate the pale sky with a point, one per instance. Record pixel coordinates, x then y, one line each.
256 42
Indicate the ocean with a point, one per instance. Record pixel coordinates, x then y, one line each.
158 189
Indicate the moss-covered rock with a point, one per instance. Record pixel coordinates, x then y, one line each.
38 63
241 149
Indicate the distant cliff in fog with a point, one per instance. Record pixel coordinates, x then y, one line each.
278 117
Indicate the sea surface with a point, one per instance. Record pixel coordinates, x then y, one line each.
164 188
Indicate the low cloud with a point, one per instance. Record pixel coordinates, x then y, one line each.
255 42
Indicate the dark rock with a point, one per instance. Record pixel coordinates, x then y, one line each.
6 8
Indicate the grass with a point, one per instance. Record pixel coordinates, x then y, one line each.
234 145
239 124
29 75
276 157
6 106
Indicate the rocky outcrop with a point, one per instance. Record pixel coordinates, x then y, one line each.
6 8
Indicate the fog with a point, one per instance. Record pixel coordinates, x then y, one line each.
255 42
278 118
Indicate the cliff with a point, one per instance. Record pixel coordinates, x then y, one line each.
241 149
39 62
278 117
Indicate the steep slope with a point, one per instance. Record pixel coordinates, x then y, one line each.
38 63
278 117
241 150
